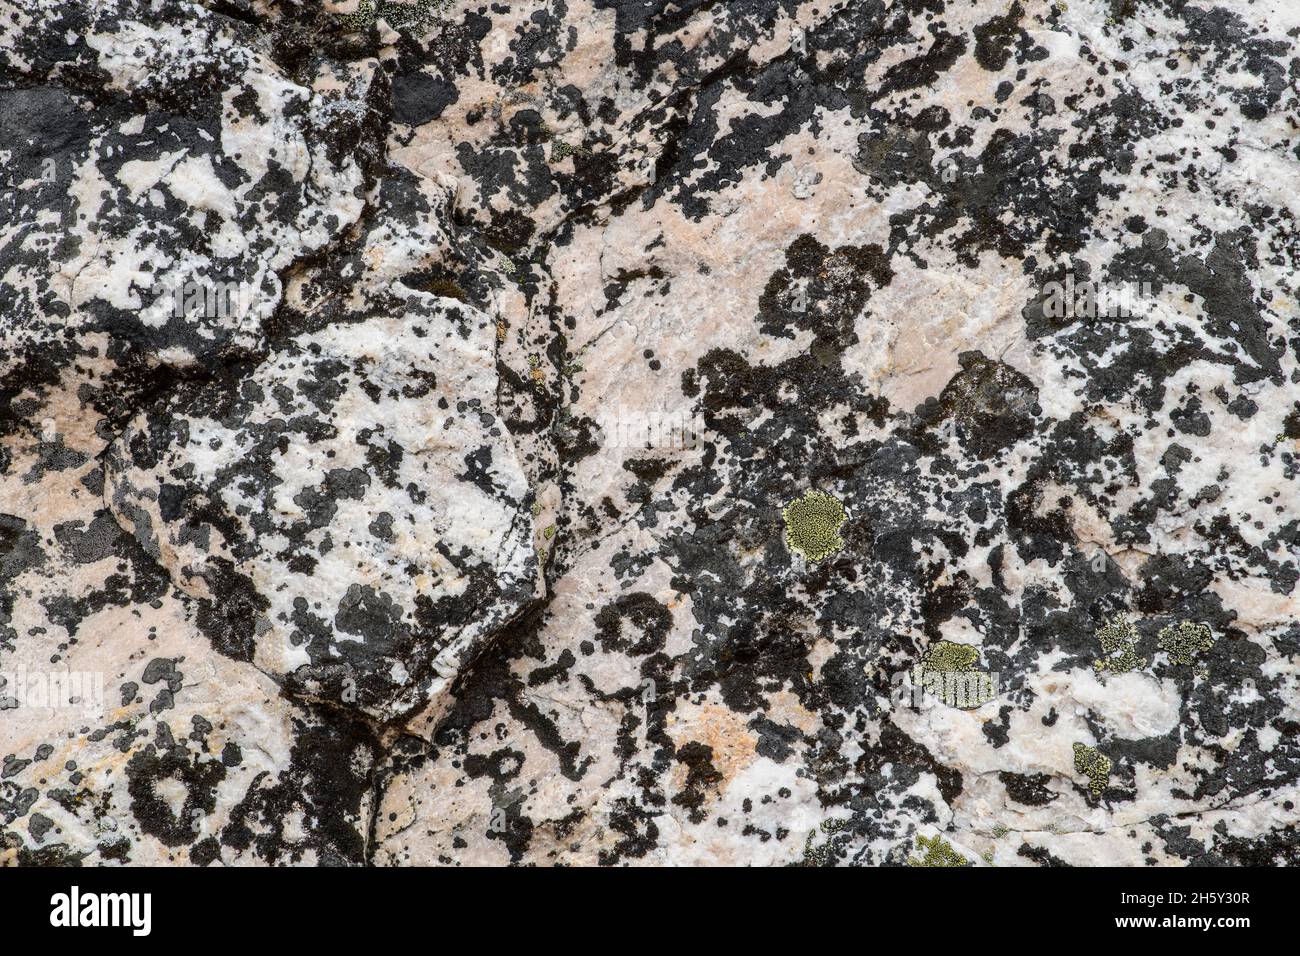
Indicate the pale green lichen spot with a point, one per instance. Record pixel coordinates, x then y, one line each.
951 672
825 854
1184 640
417 14
1117 637
812 525
1116 633
1094 765
937 852
950 656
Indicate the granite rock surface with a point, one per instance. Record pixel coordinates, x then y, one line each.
632 432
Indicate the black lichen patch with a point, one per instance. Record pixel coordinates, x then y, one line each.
989 405
328 782
822 290
197 775
1029 789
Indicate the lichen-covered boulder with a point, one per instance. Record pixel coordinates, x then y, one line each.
161 153
748 433
350 511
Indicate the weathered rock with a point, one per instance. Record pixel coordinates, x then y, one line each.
484 521
165 172
125 737
350 512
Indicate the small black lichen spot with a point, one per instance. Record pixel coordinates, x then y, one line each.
701 775
993 402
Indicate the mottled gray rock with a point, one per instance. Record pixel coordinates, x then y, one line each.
753 433
159 153
125 737
351 510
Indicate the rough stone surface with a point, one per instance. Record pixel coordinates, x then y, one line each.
646 433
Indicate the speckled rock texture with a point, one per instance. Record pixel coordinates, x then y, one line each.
634 432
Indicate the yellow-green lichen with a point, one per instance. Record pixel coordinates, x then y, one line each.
951 672
1094 765
812 525
1184 640
1117 637
560 149
951 656
937 852
826 853
397 15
